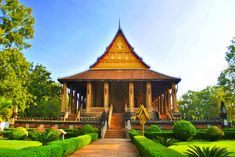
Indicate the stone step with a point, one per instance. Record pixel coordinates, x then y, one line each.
110 133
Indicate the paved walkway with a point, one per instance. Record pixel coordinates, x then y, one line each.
112 147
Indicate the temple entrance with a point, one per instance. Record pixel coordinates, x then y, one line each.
118 96
118 107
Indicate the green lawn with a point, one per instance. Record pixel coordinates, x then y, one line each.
17 144
183 146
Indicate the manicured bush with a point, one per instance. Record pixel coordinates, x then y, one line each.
153 128
88 129
19 133
72 133
133 133
214 133
184 130
149 148
59 148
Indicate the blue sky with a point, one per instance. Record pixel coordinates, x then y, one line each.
182 38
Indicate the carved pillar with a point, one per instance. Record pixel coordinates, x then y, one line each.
131 96
106 96
64 98
174 98
148 97
88 96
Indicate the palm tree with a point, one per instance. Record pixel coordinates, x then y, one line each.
197 151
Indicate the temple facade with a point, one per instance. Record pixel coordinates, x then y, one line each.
122 80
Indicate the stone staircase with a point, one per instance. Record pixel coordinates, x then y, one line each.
117 127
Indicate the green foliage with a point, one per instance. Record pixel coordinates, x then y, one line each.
202 104
153 135
149 148
72 133
59 148
165 141
19 133
45 135
229 134
47 93
133 133
16 25
196 151
88 129
5 109
153 128
184 130
227 79
214 133
14 76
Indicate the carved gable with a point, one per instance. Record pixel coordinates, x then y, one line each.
119 56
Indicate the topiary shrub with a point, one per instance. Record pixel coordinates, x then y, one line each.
19 133
153 128
214 133
88 129
184 130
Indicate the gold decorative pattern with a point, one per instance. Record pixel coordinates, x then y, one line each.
119 56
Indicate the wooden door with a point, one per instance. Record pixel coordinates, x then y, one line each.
118 107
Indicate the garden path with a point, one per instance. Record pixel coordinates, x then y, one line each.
108 147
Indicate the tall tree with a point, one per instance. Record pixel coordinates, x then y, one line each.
14 77
16 25
202 104
5 109
227 78
46 91
16 28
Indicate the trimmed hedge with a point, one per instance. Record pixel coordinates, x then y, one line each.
153 135
54 149
133 133
149 148
72 133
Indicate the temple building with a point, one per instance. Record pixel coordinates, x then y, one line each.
122 80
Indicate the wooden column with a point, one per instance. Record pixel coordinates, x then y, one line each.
169 100
131 96
70 100
162 103
106 96
159 104
174 98
75 101
64 98
88 96
148 97
165 103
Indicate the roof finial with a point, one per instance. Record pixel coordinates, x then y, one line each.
119 24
